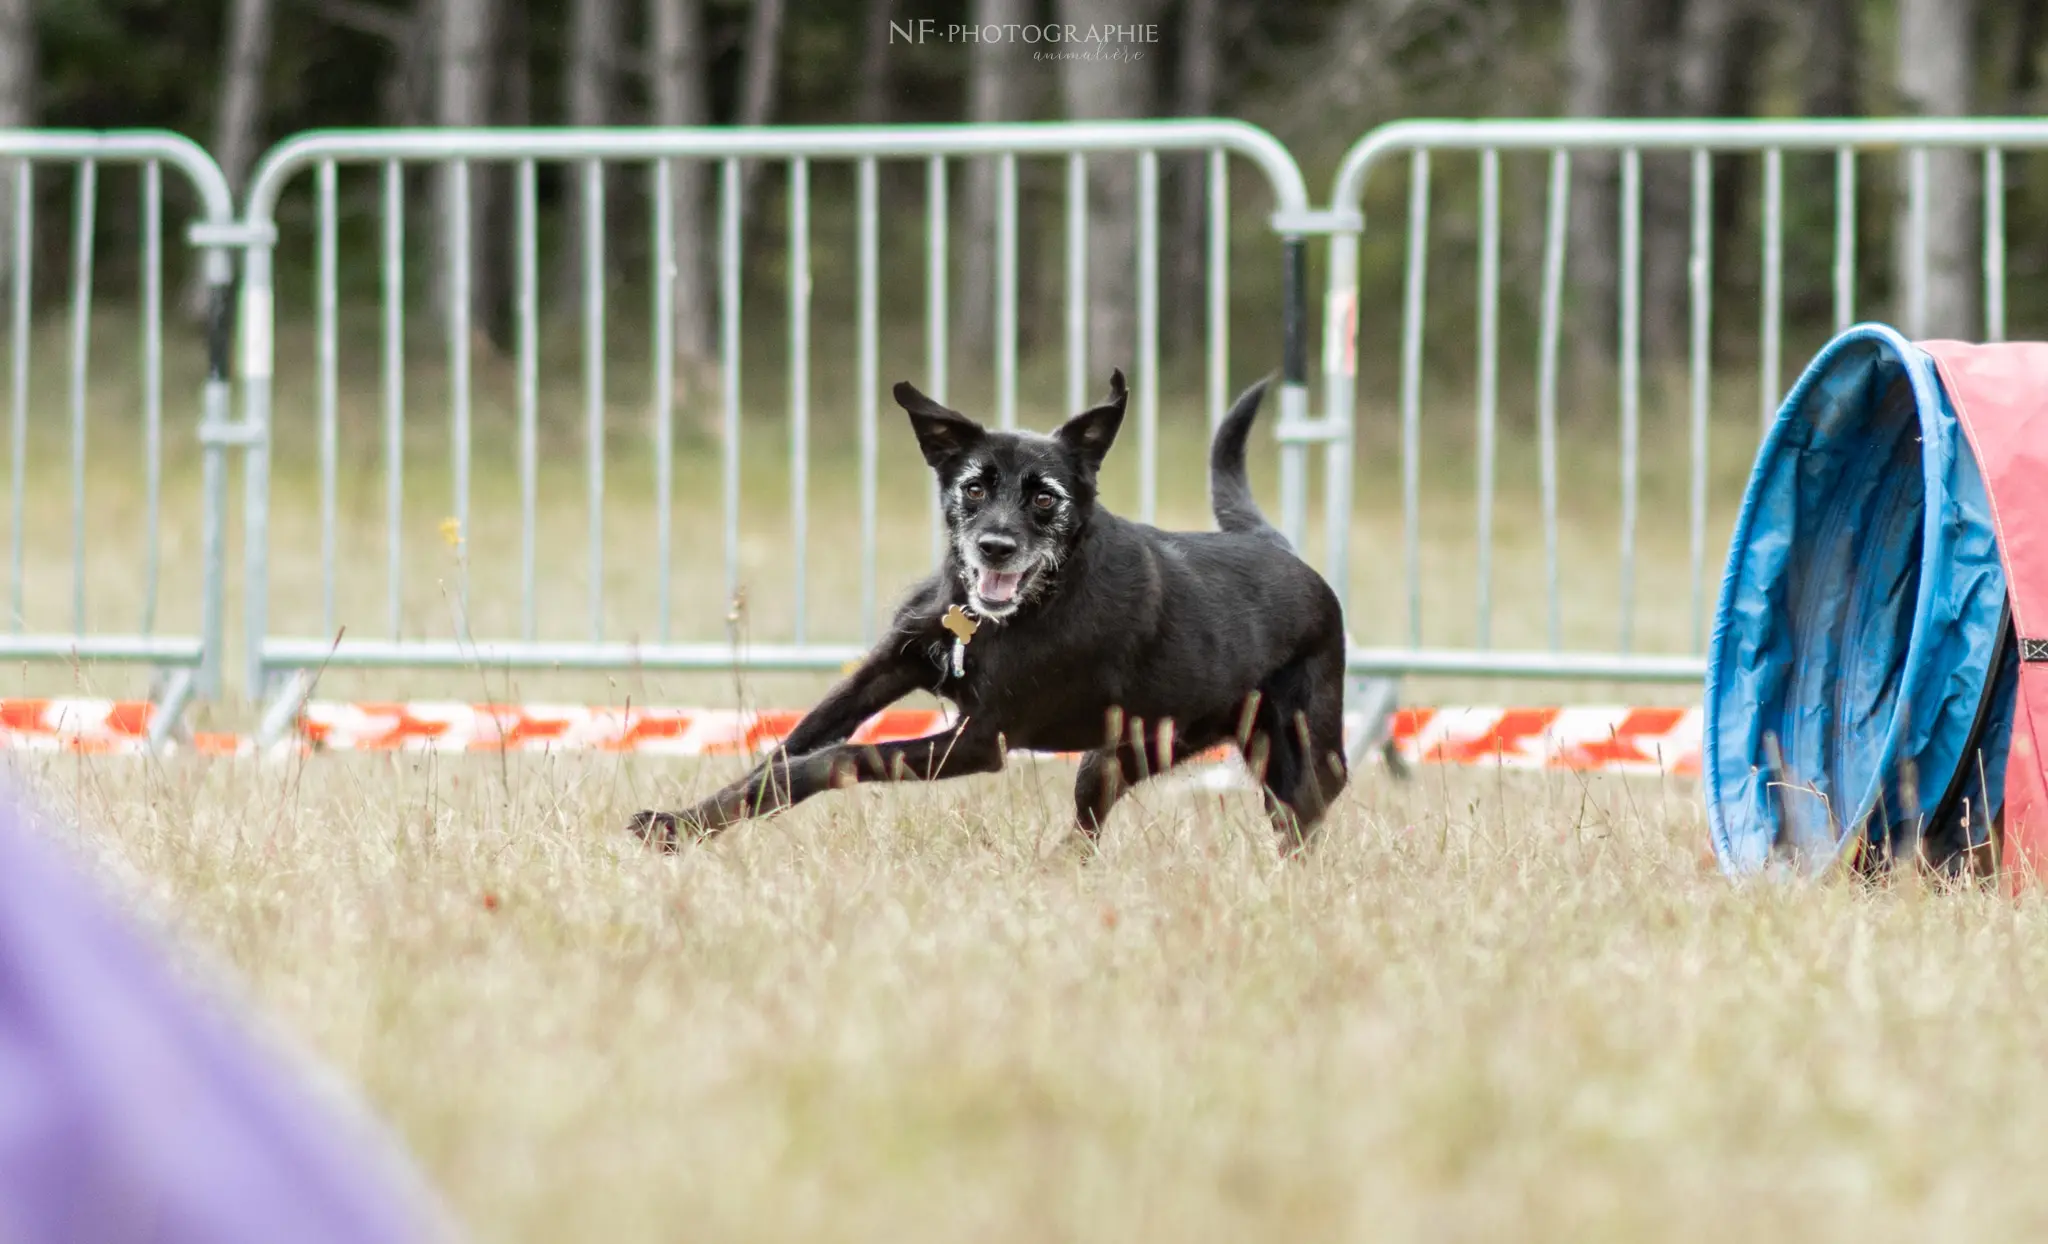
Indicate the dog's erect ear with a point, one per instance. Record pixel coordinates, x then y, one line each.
941 433
1091 433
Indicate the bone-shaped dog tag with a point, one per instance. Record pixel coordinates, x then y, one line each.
958 622
963 627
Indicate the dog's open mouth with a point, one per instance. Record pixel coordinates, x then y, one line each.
998 587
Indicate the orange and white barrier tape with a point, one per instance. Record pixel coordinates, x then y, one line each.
1626 740
1614 739
458 727
93 727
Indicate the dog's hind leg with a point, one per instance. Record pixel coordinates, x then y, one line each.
1109 771
1096 789
1296 747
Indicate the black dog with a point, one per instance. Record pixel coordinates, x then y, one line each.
1055 625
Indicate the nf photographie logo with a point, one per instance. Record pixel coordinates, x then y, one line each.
1049 40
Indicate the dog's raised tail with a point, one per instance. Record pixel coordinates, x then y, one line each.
1230 490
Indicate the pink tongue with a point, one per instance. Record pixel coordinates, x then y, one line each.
997 587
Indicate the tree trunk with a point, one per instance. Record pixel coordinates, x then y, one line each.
462 97
1834 54
1200 73
594 43
238 125
757 86
512 104
681 99
1699 66
872 105
995 92
408 88
512 86
2023 75
1936 69
1097 88
1600 40
17 103
1737 176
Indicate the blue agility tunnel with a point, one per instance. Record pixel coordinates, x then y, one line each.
1862 672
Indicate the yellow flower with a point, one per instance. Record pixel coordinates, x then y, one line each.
451 531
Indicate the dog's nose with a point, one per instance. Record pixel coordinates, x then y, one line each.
994 547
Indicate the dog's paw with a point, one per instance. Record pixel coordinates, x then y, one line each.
661 830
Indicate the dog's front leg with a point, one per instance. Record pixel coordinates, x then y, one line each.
883 678
785 782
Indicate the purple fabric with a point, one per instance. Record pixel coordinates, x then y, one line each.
133 1110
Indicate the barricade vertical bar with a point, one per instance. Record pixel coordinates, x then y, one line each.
85 224
869 209
935 313
729 353
326 350
1219 284
1340 405
458 371
1339 413
1006 291
1994 244
1148 336
593 378
527 226
1916 243
1702 366
1774 266
1845 238
799 376
258 360
1631 377
394 390
1293 390
1413 296
1557 212
24 259
1077 283
1489 377
663 351
217 270
152 382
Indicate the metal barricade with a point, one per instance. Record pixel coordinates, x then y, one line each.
1492 141
284 664
186 652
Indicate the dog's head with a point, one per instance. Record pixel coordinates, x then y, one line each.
1015 502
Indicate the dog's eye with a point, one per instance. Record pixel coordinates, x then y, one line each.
974 492
1044 502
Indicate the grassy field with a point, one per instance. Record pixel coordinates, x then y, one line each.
1489 1007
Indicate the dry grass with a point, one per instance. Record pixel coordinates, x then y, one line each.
1489 1008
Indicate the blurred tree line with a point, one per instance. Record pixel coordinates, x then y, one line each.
239 74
